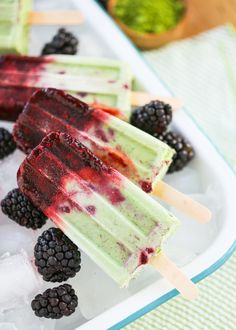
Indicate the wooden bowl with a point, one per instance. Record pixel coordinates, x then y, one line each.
151 40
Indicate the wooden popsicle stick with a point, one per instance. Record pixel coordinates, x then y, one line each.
182 202
175 276
65 17
141 98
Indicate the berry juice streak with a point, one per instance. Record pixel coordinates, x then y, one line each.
17 75
145 256
62 160
87 200
61 176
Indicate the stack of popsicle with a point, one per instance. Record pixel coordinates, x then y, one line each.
137 155
116 223
85 167
119 226
94 80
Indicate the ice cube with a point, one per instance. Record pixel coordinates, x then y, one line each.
145 277
187 181
7 326
23 318
8 170
9 167
18 279
179 255
96 290
191 237
13 238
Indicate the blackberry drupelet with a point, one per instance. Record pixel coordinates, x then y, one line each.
153 117
55 303
21 210
63 42
56 256
7 144
184 151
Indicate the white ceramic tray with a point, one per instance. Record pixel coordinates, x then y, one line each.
200 250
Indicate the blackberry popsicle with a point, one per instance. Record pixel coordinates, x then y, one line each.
136 154
99 81
116 223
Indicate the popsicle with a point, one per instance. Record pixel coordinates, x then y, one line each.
136 154
16 18
119 226
14 28
94 80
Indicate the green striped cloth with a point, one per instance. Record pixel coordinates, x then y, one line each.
202 71
214 310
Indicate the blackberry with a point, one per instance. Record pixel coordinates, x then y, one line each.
153 117
184 151
7 144
21 210
55 303
56 256
103 3
63 42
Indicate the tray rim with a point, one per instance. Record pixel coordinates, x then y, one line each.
173 293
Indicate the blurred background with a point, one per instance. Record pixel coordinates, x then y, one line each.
154 23
191 44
